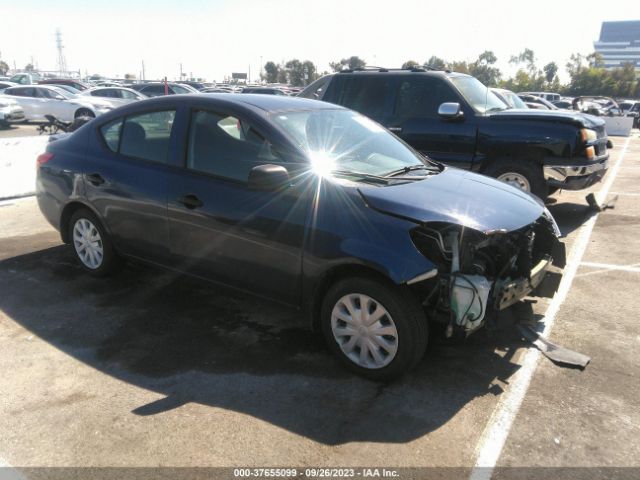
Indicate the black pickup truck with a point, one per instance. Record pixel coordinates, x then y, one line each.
454 119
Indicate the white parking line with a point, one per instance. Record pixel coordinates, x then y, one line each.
605 267
497 430
624 194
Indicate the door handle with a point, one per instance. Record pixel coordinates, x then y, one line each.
95 179
395 129
190 201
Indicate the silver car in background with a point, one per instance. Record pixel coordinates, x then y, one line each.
116 95
40 100
10 111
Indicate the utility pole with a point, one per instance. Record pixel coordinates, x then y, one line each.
261 68
180 72
143 74
62 62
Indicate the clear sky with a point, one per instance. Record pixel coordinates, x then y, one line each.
214 38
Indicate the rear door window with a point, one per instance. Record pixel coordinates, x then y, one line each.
365 94
147 136
420 96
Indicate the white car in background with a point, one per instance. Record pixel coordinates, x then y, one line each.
10 111
40 100
116 95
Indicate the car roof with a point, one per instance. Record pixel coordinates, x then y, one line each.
271 103
259 104
401 71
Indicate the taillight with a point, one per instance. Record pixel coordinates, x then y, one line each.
44 158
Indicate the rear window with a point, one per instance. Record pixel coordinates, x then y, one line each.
147 136
111 134
144 136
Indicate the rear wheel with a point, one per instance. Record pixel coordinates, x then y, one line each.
525 175
377 330
91 244
84 112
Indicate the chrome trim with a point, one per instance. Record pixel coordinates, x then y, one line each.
423 276
561 173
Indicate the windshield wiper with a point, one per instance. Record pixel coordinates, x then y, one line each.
360 176
419 166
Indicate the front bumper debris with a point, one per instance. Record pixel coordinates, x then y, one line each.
576 177
541 280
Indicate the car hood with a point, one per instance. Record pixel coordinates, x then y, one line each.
458 197
574 118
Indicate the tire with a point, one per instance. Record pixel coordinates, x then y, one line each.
98 256
403 347
84 112
525 168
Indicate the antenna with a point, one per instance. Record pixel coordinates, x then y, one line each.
62 62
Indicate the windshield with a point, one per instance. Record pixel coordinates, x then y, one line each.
183 89
69 89
62 92
477 95
514 100
345 141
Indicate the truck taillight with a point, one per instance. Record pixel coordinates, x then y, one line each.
44 158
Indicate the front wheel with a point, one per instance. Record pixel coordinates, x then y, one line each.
525 175
377 330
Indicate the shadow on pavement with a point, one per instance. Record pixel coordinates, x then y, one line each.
570 216
195 342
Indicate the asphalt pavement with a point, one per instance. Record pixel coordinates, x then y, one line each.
149 368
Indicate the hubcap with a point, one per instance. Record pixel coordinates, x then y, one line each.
364 331
516 180
88 244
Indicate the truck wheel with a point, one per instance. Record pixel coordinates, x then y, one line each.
377 330
525 175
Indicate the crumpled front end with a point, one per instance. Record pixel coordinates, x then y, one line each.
481 273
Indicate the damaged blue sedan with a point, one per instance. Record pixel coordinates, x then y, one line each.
305 203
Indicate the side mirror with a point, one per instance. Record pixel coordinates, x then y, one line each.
450 111
268 178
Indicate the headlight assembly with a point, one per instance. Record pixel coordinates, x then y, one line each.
588 135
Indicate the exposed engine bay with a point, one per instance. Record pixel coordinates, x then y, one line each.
481 273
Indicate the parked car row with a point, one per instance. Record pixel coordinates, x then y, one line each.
39 100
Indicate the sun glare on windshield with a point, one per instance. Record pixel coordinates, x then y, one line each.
321 163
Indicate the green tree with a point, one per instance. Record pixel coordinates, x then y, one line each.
595 60
350 63
460 67
410 64
483 68
295 73
4 68
526 58
29 67
550 71
436 63
270 74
